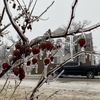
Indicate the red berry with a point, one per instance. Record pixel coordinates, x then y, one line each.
5 65
27 50
16 52
17 46
22 48
16 71
28 63
35 49
43 45
46 61
21 70
34 60
51 58
49 45
81 41
21 76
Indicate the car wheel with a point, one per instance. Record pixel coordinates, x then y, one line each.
90 75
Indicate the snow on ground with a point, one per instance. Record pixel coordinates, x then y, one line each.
89 86
74 90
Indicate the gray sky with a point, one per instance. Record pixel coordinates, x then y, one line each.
59 15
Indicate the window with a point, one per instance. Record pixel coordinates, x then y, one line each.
57 60
71 64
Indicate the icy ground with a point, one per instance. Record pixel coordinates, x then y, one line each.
89 86
74 90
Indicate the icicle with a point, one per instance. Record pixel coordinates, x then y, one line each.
32 66
86 56
84 59
48 53
62 50
82 49
45 71
25 68
52 61
41 54
71 47
36 68
24 58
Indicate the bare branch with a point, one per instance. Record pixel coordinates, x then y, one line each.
85 29
72 16
4 84
2 15
33 7
16 86
20 5
13 23
52 94
40 38
42 13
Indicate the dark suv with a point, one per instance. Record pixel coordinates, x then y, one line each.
78 68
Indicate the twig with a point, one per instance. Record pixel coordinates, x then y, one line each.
4 84
6 90
2 14
52 94
72 16
33 8
42 12
13 23
16 86
20 5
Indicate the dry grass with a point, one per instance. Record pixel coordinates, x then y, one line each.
53 94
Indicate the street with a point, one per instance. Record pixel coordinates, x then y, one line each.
67 78
78 78
63 79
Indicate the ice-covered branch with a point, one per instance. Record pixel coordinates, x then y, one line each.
16 86
1 17
4 84
40 38
13 22
72 16
42 13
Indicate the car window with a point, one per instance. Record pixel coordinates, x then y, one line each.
71 64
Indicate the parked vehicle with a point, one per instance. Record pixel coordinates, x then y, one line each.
78 68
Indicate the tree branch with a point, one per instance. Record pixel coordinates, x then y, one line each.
2 15
42 13
71 18
13 23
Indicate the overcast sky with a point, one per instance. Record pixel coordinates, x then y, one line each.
59 15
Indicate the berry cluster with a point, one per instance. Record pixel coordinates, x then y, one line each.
21 50
18 71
